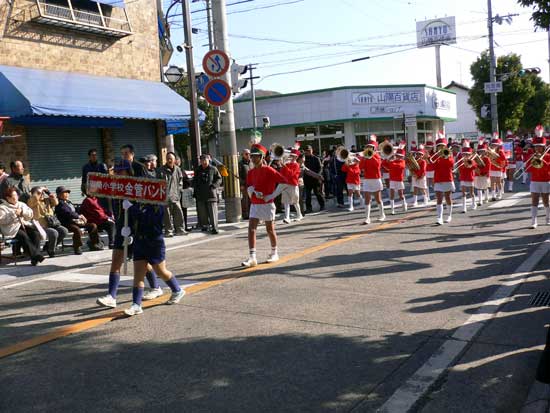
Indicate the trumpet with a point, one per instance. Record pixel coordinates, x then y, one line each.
386 150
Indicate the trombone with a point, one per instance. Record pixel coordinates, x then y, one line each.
444 153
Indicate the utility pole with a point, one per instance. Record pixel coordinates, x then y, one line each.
438 64
548 48
251 78
228 136
212 46
492 68
194 128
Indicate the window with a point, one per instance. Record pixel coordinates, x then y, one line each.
328 143
305 131
331 129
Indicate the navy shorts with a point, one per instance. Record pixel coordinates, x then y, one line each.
151 250
119 243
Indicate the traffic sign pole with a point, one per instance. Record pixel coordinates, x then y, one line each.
228 137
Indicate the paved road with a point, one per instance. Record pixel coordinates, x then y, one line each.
351 319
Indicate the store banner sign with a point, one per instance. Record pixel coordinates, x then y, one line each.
389 101
436 32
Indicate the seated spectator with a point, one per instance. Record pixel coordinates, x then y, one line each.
17 179
42 202
69 218
3 174
95 214
16 222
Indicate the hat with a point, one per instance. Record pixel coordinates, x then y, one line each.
294 152
400 152
482 146
373 141
466 149
539 130
509 134
441 141
496 141
62 189
539 141
122 165
246 150
258 149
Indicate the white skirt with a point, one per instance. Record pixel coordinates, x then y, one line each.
482 182
419 182
444 187
466 184
290 194
539 187
397 185
372 185
353 187
496 174
385 175
263 212
430 174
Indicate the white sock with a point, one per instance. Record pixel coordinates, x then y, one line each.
287 211
361 201
473 200
547 214
367 211
274 251
415 199
381 207
298 210
392 204
487 195
404 204
439 209
510 186
534 211
464 203
350 200
480 196
451 210
252 253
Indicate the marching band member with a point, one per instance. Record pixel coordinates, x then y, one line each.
527 153
539 187
353 179
498 168
482 180
385 166
466 175
419 181
291 193
518 155
443 178
262 186
372 183
429 165
397 175
511 160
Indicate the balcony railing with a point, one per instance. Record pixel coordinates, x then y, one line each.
81 20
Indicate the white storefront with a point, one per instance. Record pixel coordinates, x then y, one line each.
465 125
348 115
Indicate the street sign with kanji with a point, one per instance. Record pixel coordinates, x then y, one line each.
145 190
493 87
215 63
217 92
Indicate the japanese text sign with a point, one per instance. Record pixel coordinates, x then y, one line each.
146 190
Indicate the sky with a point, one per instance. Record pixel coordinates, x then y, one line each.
304 34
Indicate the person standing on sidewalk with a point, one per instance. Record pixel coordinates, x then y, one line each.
339 178
244 167
313 163
173 218
91 166
206 182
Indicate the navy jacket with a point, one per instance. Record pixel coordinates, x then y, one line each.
66 212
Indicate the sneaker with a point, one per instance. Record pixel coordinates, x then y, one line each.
106 301
415 204
133 310
493 199
180 233
405 207
439 221
533 226
449 219
250 262
366 221
176 297
393 211
350 209
168 235
272 258
299 218
382 218
153 293
286 221
474 206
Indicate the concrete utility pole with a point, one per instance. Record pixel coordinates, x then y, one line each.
228 137
212 46
194 128
492 68
548 49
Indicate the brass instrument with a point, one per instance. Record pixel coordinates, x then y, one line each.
368 153
277 151
386 150
341 153
444 153
412 163
480 161
493 157
537 162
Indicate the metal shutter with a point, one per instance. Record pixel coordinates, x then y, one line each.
56 156
139 133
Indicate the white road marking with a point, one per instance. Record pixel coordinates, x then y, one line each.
418 384
511 200
82 278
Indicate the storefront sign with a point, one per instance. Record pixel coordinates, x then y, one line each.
387 97
146 190
439 102
436 32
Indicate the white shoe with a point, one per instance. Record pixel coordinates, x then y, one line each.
152 294
350 209
405 207
176 297
534 226
286 221
474 206
133 310
250 262
427 203
366 222
439 221
299 218
272 258
382 218
449 219
106 301
415 204
548 222
393 211
464 210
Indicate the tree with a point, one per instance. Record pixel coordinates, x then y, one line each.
518 91
537 109
541 13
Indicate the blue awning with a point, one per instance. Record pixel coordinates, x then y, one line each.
114 3
32 92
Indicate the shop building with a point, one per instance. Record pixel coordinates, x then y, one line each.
348 115
81 74
465 126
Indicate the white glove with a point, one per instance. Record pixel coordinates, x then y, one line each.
126 231
268 198
126 204
129 240
259 195
250 191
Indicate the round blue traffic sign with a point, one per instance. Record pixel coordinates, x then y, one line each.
217 92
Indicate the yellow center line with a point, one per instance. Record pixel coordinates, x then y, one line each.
80 326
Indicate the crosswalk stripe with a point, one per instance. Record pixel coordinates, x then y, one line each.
511 200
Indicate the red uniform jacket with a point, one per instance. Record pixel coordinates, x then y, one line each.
397 170
264 179
421 172
371 167
291 172
353 173
467 174
443 171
